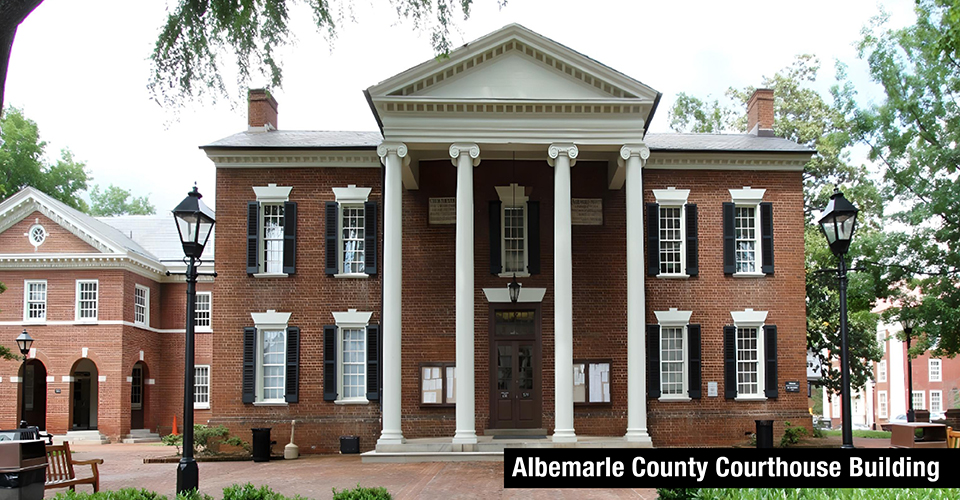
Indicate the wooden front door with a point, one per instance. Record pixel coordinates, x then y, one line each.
515 368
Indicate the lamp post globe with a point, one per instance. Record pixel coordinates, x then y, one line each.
195 223
24 343
514 288
838 222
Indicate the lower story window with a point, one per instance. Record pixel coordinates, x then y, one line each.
591 382
201 387
272 361
136 390
671 361
748 362
919 401
354 367
882 403
936 401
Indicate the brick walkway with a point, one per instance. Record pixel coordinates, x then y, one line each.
313 476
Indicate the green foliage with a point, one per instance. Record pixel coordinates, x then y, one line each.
124 494
118 201
825 494
6 353
250 492
361 493
860 434
22 163
193 495
677 493
791 435
206 440
690 114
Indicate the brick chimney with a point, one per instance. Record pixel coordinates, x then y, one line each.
760 113
261 110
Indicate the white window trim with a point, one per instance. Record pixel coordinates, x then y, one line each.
267 321
43 238
940 394
748 318
26 302
350 196
146 305
76 304
883 409
196 405
349 319
205 329
514 196
273 195
750 198
672 319
675 198
930 364
882 371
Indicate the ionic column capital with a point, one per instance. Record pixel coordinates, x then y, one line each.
640 150
566 149
458 148
398 148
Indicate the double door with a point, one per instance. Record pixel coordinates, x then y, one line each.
515 370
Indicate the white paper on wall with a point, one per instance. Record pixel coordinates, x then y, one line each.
596 384
436 373
430 397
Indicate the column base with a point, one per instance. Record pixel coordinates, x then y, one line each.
391 437
564 436
637 436
465 437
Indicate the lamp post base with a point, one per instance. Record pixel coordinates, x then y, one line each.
188 475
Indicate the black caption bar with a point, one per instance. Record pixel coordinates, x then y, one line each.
728 468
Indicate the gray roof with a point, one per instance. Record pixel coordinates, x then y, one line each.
300 139
722 142
156 233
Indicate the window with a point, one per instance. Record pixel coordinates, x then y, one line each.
672 235
835 406
919 400
141 305
35 300
671 241
748 361
750 357
272 347
669 361
86 309
136 389
346 372
203 310
747 234
271 232
351 233
934 372
882 339
591 382
29 381
271 357
201 387
882 371
882 404
353 368
514 233
936 401
36 235
438 384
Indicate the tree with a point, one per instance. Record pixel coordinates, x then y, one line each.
6 353
913 134
22 163
801 114
12 13
118 201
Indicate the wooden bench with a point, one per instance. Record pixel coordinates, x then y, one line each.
953 438
60 472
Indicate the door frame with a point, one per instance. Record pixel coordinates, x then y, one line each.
537 356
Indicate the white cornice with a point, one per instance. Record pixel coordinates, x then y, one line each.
31 201
727 160
351 194
671 196
673 317
270 319
110 322
293 159
271 193
141 266
748 317
747 195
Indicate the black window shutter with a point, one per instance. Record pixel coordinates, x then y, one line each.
693 357
332 223
653 361
533 237
293 365
495 265
653 239
729 362
249 366
693 261
370 237
373 362
770 370
253 227
290 237
330 363
729 239
766 237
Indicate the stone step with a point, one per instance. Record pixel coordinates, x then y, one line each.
373 457
509 433
141 436
81 437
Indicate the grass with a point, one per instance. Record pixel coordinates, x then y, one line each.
860 434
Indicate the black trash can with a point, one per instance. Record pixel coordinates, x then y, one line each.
764 433
261 444
349 444
23 467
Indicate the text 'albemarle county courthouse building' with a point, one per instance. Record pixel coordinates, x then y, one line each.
363 276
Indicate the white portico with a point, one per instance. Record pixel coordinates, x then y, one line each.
515 95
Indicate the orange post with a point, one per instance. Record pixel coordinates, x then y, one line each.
175 433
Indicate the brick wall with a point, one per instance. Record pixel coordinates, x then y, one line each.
58 239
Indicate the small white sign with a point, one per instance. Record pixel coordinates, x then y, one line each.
712 389
586 212
443 210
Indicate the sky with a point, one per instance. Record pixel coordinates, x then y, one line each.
80 69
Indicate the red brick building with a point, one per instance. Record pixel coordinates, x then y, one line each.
363 276
108 324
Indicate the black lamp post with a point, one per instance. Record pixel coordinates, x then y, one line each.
24 343
838 223
908 322
194 223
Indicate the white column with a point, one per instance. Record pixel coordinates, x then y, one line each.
392 154
633 155
465 157
562 158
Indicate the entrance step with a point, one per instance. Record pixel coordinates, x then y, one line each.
141 436
374 457
515 433
82 437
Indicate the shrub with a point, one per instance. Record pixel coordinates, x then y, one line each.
251 492
678 493
124 494
791 435
206 440
361 493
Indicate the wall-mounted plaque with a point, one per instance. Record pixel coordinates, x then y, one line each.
443 210
586 212
792 386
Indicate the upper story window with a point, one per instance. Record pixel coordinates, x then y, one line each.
882 339
747 234
351 233
271 360
882 404
35 300
882 371
87 300
514 233
271 232
204 312
672 235
919 400
934 371
750 356
141 305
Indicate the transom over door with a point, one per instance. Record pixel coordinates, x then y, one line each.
515 370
